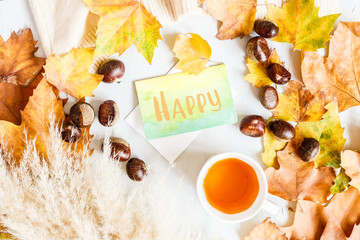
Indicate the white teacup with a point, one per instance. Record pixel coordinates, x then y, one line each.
260 202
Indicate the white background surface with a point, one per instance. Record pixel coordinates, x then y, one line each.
15 15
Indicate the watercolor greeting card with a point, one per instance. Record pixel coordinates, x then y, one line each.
180 103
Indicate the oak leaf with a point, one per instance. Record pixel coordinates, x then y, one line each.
70 72
18 64
341 182
271 147
123 23
193 53
338 75
35 124
266 230
314 221
299 105
296 179
237 16
13 99
300 24
329 133
350 161
258 76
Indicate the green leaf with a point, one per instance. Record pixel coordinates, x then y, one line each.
341 182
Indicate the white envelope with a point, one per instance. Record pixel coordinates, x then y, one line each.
169 147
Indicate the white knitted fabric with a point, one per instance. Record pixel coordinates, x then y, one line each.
64 24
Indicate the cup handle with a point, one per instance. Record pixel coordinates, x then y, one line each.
270 207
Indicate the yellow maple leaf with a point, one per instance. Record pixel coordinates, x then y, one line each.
329 133
299 105
258 76
18 65
35 124
271 147
192 51
300 24
123 23
237 16
70 72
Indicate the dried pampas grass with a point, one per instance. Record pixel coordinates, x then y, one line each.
82 197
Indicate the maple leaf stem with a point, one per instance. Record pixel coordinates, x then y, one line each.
215 62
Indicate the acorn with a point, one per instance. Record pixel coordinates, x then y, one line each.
278 74
108 113
257 49
282 130
136 169
266 28
269 97
309 149
253 126
82 114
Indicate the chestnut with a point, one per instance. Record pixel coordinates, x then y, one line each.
112 70
70 133
108 113
278 74
257 49
269 97
266 28
282 130
136 169
119 149
82 114
309 149
253 126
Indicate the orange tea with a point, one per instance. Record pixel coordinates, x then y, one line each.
231 186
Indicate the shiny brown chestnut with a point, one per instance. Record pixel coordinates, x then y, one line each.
309 149
266 28
253 126
136 169
282 130
278 74
82 114
112 70
108 113
269 97
119 149
70 133
257 49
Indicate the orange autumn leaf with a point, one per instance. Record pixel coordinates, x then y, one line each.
35 123
18 64
266 230
70 72
258 76
314 221
297 104
192 51
350 161
300 24
13 99
336 76
296 179
237 16
123 23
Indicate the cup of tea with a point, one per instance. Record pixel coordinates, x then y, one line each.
233 187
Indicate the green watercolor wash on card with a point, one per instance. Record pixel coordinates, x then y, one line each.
180 103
